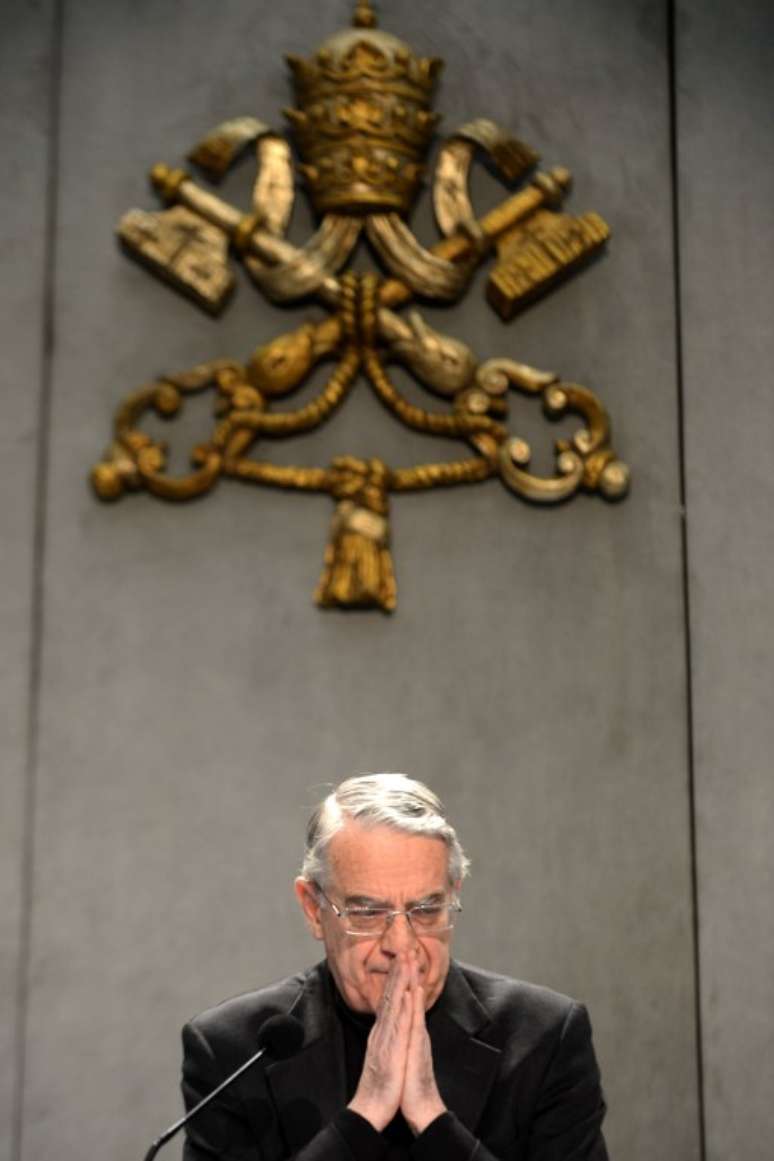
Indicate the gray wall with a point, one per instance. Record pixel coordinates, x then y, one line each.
26 65
727 260
586 687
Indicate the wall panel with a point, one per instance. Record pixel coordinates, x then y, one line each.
193 700
726 64
25 72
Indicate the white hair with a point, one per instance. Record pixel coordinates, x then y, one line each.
392 800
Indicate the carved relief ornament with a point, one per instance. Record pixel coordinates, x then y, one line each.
362 126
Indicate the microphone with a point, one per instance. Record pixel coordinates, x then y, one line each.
279 1036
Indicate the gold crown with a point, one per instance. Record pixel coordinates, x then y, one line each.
364 120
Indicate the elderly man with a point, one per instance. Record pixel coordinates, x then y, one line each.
406 1053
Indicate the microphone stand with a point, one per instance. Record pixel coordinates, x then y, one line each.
169 1133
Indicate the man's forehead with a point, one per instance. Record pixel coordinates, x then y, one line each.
381 861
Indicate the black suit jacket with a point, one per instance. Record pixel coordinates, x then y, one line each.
514 1064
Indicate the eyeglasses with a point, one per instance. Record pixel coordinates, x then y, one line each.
432 918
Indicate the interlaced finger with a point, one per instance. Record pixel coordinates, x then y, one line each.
395 988
417 999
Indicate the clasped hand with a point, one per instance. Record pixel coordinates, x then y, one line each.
398 1066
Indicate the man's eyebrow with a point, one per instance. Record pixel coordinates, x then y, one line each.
432 897
370 901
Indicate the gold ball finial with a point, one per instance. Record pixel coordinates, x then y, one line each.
364 17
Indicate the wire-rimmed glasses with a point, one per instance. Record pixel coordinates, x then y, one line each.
433 917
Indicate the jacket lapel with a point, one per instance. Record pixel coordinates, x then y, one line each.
309 1089
465 1067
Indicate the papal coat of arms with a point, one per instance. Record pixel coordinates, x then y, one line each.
362 127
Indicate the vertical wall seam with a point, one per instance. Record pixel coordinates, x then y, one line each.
674 134
42 448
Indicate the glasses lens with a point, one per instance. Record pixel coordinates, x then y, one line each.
432 917
367 920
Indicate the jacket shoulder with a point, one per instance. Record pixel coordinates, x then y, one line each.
235 1023
518 1007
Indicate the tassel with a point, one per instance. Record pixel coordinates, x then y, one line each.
358 572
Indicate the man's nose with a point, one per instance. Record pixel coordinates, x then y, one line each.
398 935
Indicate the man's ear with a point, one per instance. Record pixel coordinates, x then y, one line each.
310 905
